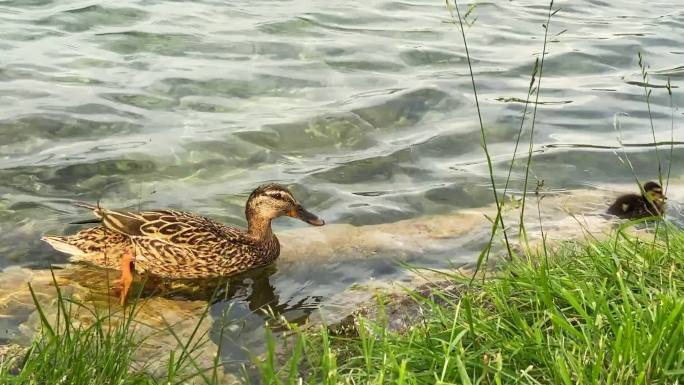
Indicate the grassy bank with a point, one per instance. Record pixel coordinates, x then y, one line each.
609 312
85 345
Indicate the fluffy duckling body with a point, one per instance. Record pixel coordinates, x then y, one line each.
177 244
633 206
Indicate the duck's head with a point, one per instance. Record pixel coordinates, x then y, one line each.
653 193
271 201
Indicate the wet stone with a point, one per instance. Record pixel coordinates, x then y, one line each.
155 317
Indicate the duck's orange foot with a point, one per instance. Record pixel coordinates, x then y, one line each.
123 284
116 289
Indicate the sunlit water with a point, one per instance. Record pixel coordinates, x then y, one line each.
364 108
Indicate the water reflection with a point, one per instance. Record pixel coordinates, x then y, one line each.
240 305
254 290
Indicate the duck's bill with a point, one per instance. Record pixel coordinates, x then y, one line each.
308 217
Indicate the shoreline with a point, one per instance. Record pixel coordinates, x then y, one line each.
560 213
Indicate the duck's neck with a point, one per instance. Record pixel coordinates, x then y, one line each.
260 228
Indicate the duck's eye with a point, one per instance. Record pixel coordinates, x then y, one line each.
278 196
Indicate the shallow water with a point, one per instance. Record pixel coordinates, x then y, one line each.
364 108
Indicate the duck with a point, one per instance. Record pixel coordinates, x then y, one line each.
651 203
181 245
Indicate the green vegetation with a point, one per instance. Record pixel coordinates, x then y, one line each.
609 312
100 352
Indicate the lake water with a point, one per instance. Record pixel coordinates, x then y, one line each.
364 108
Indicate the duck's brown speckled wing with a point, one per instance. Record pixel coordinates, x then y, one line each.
175 261
170 225
178 244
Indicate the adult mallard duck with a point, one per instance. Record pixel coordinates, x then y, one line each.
650 203
177 244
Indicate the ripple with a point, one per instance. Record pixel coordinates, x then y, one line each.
148 102
94 16
420 56
92 180
109 167
291 27
231 154
165 44
341 132
648 85
59 127
365 65
77 80
575 63
671 72
276 50
201 106
98 109
450 143
405 109
377 169
412 34
26 3
259 84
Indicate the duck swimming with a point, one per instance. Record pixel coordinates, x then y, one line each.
177 244
633 206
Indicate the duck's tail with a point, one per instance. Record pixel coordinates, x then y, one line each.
94 208
86 221
63 244
94 245
87 206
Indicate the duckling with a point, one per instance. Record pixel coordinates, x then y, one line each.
177 244
632 206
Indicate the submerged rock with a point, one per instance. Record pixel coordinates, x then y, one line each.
12 357
560 217
161 325
567 215
399 311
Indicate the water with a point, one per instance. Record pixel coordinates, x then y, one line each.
364 108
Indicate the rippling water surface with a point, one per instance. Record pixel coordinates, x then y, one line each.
364 108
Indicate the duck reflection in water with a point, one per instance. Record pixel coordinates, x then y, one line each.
252 289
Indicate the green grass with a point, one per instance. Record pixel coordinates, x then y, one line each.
608 312
99 352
